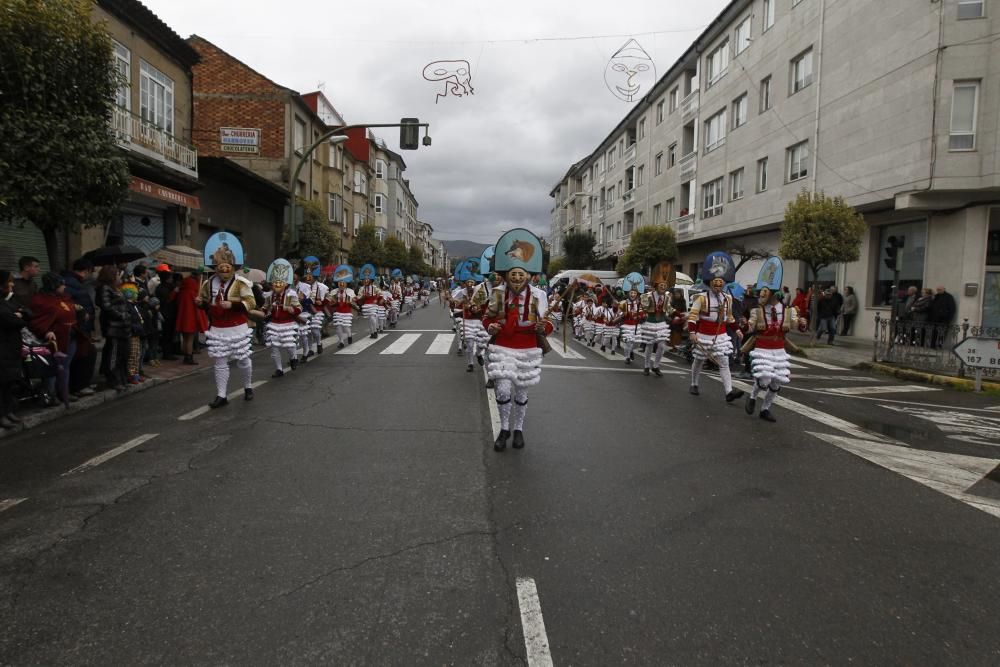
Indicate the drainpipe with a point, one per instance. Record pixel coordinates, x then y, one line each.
819 91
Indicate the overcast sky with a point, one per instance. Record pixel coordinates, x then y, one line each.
539 105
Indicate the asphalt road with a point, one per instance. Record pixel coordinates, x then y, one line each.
355 513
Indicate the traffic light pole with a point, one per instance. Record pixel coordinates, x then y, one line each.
309 151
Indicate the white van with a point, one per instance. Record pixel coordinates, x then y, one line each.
609 278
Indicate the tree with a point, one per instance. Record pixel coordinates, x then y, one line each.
648 247
821 231
394 253
578 250
415 261
316 235
60 166
367 247
746 253
555 266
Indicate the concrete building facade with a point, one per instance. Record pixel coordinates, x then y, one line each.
892 105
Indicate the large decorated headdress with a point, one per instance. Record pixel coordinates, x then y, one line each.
311 265
397 274
468 269
280 272
223 248
486 260
718 265
368 272
634 281
664 272
518 248
770 274
343 274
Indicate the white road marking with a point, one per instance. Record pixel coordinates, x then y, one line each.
203 409
441 344
536 642
796 366
359 346
951 474
568 353
420 331
491 402
401 344
958 425
110 454
840 378
7 503
993 409
618 356
624 369
818 364
881 389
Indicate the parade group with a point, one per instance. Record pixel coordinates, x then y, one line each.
502 316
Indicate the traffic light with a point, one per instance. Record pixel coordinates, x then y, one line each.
894 258
409 134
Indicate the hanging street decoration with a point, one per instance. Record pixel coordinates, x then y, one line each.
630 72
456 75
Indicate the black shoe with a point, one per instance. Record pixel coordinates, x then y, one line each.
751 405
694 390
612 352
309 354
628 361
604 349
6 424
278 374
14 418
319 348
459 352
189 361
766 416
294 363
480 359
733 395
491 384
518 442
657 373
340 346
248 394
350 339
469 369
645 371
501 441
219 402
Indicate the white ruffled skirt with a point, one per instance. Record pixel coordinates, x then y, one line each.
473 330
720 346
522 367
770 364
283 334
370 310
631 333
315 324
654 332
232 343
342 319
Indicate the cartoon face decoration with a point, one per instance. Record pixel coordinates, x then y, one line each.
456 75
517 278
630 72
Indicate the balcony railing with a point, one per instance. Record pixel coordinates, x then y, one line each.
628 199
135 134
630 154
685 226
689 165
689 106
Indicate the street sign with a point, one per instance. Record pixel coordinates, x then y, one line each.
979 353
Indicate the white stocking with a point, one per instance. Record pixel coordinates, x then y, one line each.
503 396
727 377
772 393
246 365
221 376
696 367
276 356
520 408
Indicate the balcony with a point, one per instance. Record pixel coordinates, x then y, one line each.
630 154
135 134
689 106
684 226
628 199
689 166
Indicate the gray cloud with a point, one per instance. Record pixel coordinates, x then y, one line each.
538 106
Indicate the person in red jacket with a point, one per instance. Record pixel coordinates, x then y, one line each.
191 320
517 320
229 300
282 308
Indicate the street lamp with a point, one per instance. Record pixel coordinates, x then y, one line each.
408 132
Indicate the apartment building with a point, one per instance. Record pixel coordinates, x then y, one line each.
891 104
334 182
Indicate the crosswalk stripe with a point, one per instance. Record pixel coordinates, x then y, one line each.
568 353
819 364
7 503
881 389
358 347
401 344
441 344
796 366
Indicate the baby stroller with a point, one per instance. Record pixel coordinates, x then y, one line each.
41 363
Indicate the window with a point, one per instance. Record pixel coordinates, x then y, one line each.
658 164
762 174
802 70
336 209
399 207
971 9
743 36
380 203
123 63
670 209
914 248
736 184
380 234
716 64
300 135
675 98
766 99
156 97
740 111
334 153
659 112
768 14
611 158
638 220
620 190
715 131
964 103
380 169
798 157
621 147
712 196
642 128
671 155
656 214
640 175
360 182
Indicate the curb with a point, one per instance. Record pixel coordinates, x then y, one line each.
961 384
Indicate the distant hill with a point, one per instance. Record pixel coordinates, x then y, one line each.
463 249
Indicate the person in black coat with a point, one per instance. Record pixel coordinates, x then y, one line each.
116 327
941 313
78 287
11 322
